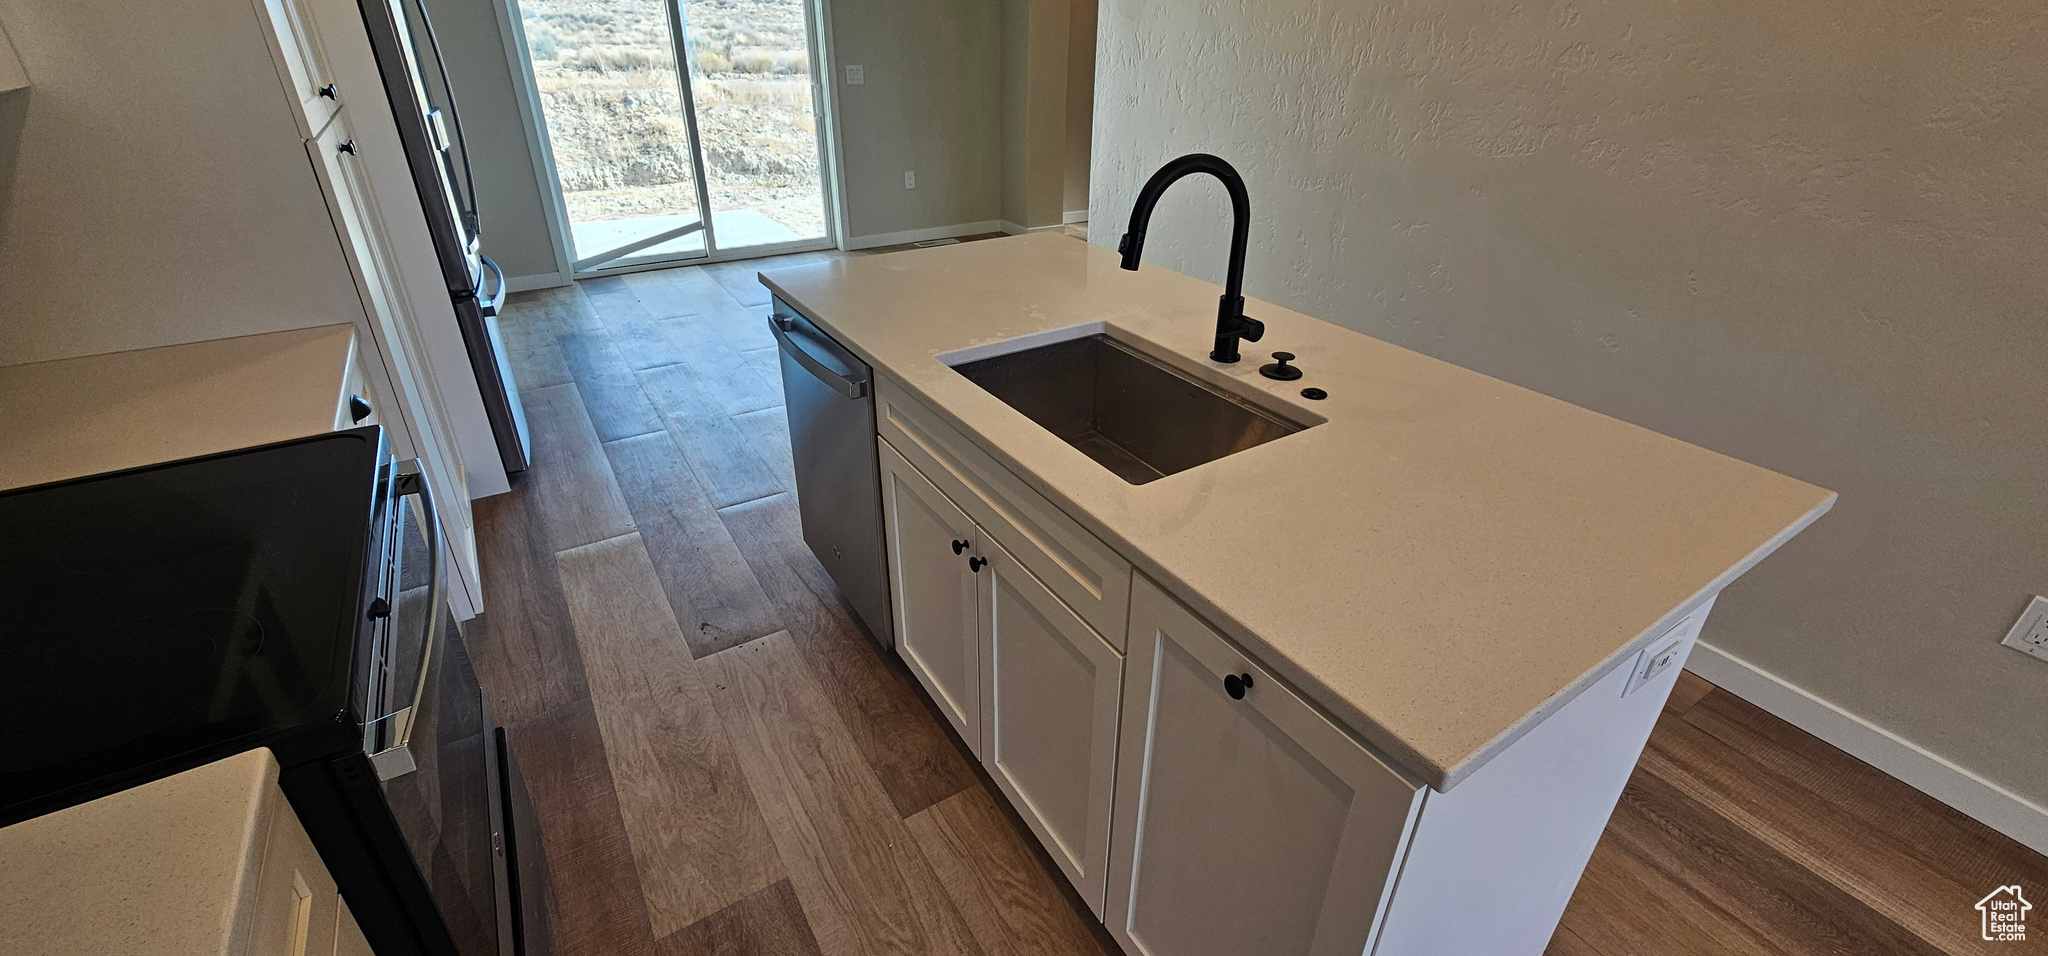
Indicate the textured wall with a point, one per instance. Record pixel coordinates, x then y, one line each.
1810 235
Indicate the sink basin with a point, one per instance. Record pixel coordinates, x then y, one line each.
1130 412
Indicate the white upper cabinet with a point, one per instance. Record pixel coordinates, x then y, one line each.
301 63
932 573
1246 822
1049 694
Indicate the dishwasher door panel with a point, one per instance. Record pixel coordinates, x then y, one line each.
829 396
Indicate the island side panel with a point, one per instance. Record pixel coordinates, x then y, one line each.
1494 861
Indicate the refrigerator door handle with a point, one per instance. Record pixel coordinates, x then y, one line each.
490 306
455 119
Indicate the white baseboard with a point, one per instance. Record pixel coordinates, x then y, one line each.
539 280
1927 772
922 235
1017 230
1072 216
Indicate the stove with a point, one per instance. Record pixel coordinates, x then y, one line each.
287 597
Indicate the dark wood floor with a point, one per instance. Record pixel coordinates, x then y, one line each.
724 764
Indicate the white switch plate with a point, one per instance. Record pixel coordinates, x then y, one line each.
855 75
2029 635
909 179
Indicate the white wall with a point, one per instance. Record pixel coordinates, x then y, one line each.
930 104
1034 97
1080 104
133 185
1809 235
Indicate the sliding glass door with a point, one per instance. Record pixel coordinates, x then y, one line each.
659 110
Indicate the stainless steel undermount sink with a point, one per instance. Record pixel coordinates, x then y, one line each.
1130 412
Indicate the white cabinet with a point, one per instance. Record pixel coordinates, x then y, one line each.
1049 691
1086 573
296 901
1246 822
933 580
1029 684
1197 803
302 63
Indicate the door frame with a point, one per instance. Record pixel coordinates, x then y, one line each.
555 209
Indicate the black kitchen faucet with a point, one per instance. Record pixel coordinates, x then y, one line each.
1231 322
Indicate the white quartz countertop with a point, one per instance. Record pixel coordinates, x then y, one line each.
1442 562
165 867
98 413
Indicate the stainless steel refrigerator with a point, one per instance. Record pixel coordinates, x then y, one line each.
423 104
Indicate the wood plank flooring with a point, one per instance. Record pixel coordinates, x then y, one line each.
1741 834
723 763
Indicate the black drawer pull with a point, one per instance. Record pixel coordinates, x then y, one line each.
960 546
976 564
1236 684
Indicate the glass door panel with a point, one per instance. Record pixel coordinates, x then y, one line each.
619 126
750 71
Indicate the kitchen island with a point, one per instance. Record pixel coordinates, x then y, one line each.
1375 683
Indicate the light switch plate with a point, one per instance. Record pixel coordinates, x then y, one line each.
855 75
2029 635
1655 662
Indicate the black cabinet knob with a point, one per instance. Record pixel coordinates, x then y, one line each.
358 409
976 564
1280 370
331 91
348 147
380 607
960 546
1236 684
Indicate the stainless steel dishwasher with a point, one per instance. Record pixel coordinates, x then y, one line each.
829 394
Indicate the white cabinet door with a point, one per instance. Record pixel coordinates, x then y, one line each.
931 579
302 63
1249 825
1049 691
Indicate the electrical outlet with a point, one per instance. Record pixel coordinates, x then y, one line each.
855 75
2029 635
1653 663
909 179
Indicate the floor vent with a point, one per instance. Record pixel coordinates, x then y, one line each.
928 243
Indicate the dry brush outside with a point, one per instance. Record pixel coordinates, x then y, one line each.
606 72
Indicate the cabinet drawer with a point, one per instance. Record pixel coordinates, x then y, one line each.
302 63
1093 579
296 902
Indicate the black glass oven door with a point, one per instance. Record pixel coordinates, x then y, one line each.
445 803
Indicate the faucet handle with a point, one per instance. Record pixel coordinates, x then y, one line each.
1280 370
1250 329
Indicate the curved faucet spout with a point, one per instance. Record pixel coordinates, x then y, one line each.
1231 322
